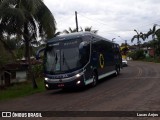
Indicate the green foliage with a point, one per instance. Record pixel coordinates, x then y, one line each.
5 56
138 36
89 29
70 30
27 19
124 50
11 43
37 70
155 59
19 53
149 59
140 54
21 90
137 55
3 59
131 55
20 19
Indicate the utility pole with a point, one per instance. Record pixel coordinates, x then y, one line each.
76 21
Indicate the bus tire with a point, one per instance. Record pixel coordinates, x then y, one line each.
95 79
117 71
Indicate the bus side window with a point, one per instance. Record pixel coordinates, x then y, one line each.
84 51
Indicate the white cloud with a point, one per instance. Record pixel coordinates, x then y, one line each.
112 18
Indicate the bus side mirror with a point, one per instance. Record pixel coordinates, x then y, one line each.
38 53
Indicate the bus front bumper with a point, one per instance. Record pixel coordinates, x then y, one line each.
60 83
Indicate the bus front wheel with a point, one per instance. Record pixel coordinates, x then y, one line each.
95 79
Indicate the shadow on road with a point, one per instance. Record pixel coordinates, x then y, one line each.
68 90
82 89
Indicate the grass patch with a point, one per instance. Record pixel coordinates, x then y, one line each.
152 59
21 90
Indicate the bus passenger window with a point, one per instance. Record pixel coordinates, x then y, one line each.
84 51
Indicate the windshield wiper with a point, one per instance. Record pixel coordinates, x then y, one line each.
56 58
64 61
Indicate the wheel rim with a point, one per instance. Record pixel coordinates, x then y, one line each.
117 70
94 81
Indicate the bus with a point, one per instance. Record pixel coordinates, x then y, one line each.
79 59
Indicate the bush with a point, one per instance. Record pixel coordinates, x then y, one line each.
37 70
131 55
137 55
149 59
140 54
155 59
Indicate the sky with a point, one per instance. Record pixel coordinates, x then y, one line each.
112 18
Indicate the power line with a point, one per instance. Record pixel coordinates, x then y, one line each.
92 19
100 22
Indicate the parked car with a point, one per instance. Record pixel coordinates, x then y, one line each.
124 62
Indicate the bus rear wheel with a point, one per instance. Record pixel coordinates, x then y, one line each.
117 71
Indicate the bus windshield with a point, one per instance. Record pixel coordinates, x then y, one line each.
68 56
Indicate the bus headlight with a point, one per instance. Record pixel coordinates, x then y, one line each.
78 82
78 75
46 79
47 85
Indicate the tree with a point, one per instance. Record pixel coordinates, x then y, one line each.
6 55
138 36
124 48
70 30
89 29
26 19
158 41
9 45
152 32
155 33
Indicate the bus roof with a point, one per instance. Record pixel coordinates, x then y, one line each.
75 35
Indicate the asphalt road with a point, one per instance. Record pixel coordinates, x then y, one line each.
137 88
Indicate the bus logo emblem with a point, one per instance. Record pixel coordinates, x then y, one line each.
101 60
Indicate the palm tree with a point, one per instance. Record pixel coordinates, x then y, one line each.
158 41
6 54
24 18
70 30
154 33
57 33
138 36
89 29
9 45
